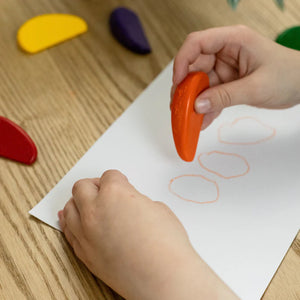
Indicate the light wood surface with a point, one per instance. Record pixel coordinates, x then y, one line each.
66 97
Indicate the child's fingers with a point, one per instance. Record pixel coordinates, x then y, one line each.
173 88
70 236
208 119
61 218
111 180
74 242
204 63
226 72
186 56
84 192
209 41
71 219
213 78
215 99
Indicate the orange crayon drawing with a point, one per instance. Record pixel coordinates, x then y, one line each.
261 140
189 200
228 154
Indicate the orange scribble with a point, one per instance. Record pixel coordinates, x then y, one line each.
189 200
224 153
273 130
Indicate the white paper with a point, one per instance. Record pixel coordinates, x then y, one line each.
250 179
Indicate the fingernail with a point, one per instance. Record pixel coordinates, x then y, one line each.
202 106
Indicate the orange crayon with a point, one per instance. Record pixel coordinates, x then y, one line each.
186 123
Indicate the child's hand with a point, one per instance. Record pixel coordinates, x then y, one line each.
243 68
135 245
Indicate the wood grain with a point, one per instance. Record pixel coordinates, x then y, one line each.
66 97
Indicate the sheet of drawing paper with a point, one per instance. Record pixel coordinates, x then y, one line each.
238 200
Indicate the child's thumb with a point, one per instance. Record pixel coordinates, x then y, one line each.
224 95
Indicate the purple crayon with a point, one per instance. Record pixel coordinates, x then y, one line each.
127 29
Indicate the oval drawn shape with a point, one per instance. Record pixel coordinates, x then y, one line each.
187 186
235 133
233 163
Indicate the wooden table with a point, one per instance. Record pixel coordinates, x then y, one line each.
66 97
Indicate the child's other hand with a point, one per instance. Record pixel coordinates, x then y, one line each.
243 68
135 245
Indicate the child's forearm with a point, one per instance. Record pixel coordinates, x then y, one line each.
192 279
